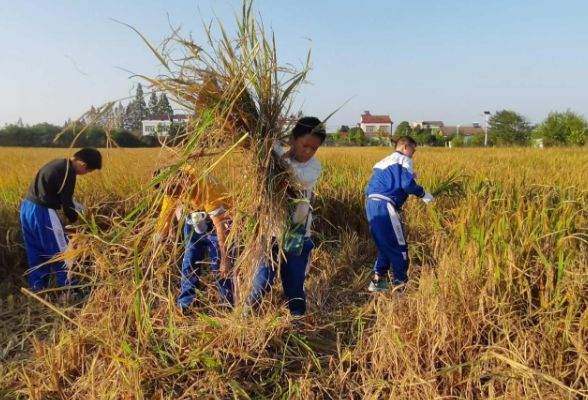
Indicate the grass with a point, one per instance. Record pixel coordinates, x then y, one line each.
496 306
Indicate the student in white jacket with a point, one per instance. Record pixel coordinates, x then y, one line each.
307 136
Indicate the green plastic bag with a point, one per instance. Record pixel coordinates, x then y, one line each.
294 240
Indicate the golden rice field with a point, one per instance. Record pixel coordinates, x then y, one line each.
496 307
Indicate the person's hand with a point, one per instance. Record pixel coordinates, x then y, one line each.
428 198
80 208
415 175
225 268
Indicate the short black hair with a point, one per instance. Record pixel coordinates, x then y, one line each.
174 178
91 157
406 139
309 126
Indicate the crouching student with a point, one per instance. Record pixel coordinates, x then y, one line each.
205 228
389 187
306 137
42 231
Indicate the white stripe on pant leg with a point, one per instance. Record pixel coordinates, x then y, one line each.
57 229
396 224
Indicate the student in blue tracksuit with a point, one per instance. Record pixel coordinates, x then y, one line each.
44 238
307 136
389 187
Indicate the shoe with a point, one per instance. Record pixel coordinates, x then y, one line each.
379 286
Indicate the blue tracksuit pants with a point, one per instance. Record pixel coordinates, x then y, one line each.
196 245
43 238
293 271
388 233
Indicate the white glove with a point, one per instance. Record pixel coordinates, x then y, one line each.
198 221
80 208
428 198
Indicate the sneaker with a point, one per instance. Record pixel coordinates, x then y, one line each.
379 286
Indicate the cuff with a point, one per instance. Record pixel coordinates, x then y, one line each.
278 149
216 212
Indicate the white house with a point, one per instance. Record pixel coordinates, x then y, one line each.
371 124
428 124
159 123
467 132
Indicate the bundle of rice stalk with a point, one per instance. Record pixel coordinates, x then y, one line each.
237 83
451 185
236 93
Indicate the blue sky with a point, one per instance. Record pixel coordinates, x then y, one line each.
413 60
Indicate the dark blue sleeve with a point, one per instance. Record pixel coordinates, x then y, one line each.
409 185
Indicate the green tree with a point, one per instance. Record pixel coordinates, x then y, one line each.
163 106
176 133
43 135
479 139
383 137
508 128
93 136
152 107
356 135
128 116
13 135
139 110
67 136
444 140
457 141
125 138
119 116
403 129
89 116
560 128
150 141
425 138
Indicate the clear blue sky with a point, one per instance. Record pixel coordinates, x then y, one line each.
435 60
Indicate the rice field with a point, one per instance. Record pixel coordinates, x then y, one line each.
496 304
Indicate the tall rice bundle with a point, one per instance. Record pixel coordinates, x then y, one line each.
235 92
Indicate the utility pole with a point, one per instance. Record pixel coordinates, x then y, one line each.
487 113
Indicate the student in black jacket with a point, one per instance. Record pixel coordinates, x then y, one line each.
42 231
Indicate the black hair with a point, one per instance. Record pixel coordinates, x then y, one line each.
91 157
309 126
171 182
406 140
